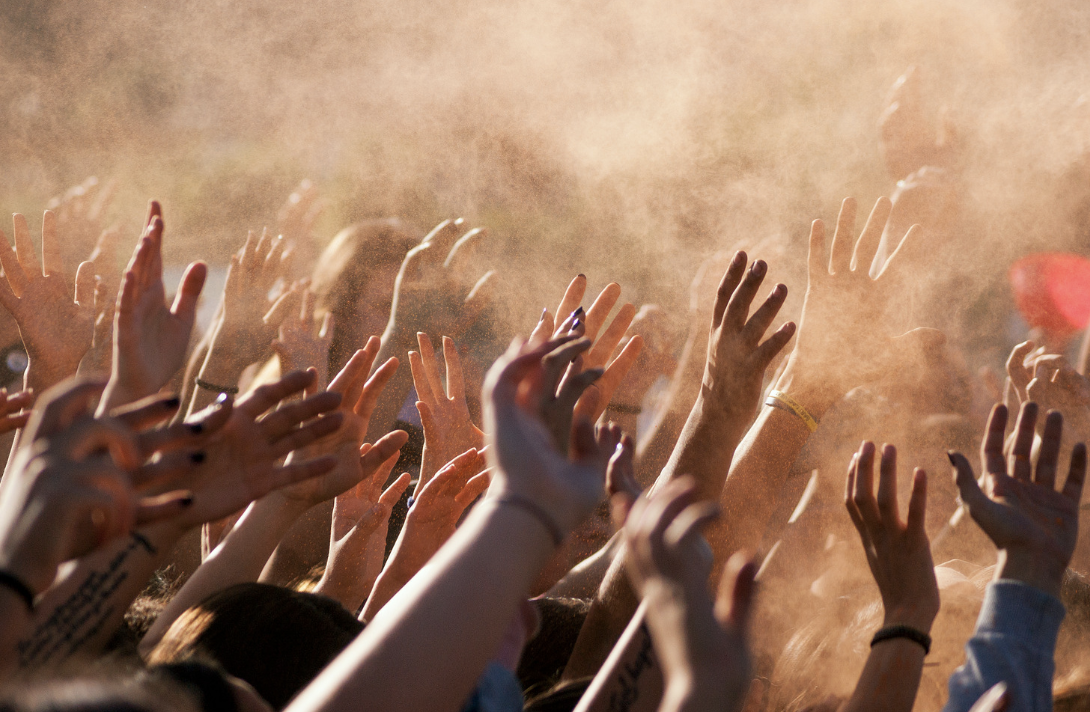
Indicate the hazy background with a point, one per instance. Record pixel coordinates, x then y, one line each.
626 140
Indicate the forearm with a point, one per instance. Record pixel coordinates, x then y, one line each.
610 612
655 450
631 678
890 678
402 565
704 450
223 365
81 612
395 393
239 559
416 631
761 464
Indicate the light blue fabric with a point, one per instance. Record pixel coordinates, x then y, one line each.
1014 642
498 690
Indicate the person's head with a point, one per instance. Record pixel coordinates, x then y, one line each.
276 639
354 280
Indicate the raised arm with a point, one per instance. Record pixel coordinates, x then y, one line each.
1035 529
537 495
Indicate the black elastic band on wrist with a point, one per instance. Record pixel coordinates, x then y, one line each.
14 583
554 530
903 631
201 383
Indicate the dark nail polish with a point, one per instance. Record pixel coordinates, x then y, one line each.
187 501
195 428
950 455
576 324
173 402
197 458
578 312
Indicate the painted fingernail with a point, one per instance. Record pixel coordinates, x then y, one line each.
576 324
196 458
173 402
950 456
187 501
195 428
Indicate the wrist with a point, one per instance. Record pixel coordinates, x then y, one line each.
909 616
814 394
1031 568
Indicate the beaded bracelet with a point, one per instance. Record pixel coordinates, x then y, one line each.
201 383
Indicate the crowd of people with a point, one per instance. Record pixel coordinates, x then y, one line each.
307 507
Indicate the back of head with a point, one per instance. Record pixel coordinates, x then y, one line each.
357 255
276 639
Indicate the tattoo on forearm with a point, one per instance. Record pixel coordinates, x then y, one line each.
80 617
628 677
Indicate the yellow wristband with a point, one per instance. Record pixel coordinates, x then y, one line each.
776 398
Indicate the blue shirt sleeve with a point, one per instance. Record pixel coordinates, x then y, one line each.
1014 642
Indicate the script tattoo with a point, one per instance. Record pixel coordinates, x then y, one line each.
80 617
628 676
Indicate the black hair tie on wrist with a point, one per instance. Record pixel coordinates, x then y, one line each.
903 631
15 584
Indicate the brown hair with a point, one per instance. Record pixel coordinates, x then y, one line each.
345 265
276 639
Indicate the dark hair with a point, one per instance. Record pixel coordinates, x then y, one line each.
546 654
276 639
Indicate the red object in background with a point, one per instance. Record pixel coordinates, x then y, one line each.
1052 290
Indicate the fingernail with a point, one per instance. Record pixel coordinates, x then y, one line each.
187 501
581 275
576 324
950 456
195 428
758 268
578 312
543 313
221 399
173 402
197 458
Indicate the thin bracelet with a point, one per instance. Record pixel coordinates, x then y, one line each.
779 399
15 584
903 631
528 505
201 383
625 409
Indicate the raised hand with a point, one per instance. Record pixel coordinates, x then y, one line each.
444 413
150 338
439 288
898 552
81 215
253 271
301 343
1034 527
56 324
909 137
241 462
11 407
844 305
430 522
703 649
360 517
572 319
358 395
562 385
521 448
74 484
